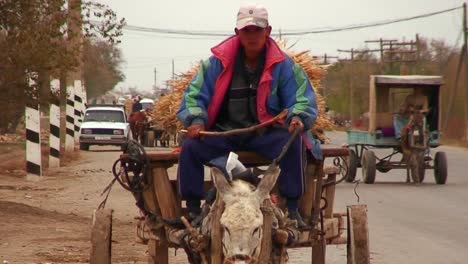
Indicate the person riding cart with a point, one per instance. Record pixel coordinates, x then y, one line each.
246 81
136 105
415 102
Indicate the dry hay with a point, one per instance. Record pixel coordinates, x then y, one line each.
165 109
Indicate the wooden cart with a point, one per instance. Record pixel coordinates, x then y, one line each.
161 200
386 92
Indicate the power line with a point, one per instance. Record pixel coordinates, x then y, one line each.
290 33
375 24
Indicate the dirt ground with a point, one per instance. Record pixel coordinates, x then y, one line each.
48 221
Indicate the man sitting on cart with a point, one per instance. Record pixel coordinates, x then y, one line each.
247 81
416 101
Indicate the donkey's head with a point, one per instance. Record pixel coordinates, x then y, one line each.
242 218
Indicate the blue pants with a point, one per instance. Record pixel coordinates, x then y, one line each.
196 152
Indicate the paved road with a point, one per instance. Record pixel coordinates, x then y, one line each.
411 224
414 224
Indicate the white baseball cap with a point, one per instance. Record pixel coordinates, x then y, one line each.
252 15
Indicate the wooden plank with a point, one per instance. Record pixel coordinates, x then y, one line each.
408 79
358 235
165 195
318 244
330 196
266 243
331 227
307 199
150 200
318 251
157 252
170 209
246 157
101 237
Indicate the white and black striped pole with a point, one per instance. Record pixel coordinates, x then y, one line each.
33 138
78 107
54 137
70 123
54 125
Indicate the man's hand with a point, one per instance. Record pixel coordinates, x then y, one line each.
193 131
295 123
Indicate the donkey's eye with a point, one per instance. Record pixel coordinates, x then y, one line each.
256 230
227 230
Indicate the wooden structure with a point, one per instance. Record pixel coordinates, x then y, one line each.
161 199
386 93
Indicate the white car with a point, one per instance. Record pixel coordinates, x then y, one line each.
104 125
147 103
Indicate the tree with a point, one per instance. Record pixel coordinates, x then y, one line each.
33 40
101 67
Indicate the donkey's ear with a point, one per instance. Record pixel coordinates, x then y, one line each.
268 181
220 182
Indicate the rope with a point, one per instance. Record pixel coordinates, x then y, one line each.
137 163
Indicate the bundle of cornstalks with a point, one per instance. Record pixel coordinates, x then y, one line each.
165 109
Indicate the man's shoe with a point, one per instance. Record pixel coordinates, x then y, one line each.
297 217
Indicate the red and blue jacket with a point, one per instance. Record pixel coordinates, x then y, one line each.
283 84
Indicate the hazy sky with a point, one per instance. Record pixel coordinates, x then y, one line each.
145 52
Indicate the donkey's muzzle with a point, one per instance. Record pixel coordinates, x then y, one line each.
240 259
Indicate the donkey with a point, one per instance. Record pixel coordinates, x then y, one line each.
242 219
137 122
413 147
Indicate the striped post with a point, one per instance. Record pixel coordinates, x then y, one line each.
33 137
54 127
78 107
54 137
33 144
70 125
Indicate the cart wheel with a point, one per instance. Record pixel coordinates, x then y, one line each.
418 167
358 235
368 166
440 167
352 166
101 237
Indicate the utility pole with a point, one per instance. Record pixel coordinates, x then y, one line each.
465 47
173 74
325 58
463 58
381 50
155 72
392 48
